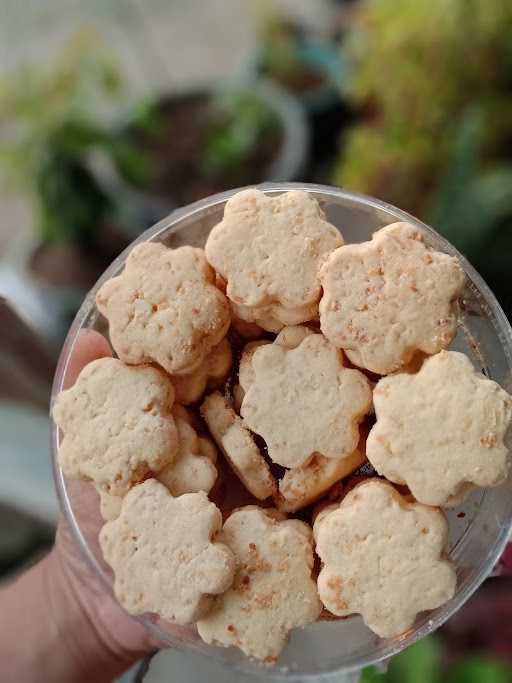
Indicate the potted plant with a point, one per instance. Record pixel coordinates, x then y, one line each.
211 139
49 134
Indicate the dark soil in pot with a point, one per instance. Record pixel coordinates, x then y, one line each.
175 153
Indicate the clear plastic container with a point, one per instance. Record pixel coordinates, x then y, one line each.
479 529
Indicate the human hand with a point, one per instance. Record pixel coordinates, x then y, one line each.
64 626
122 637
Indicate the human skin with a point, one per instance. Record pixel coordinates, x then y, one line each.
57 622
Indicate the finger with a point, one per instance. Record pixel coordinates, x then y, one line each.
90 345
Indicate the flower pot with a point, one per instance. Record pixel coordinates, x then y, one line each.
175 153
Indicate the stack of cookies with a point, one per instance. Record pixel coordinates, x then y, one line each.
300 359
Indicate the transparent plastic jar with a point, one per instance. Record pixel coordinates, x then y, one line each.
479 528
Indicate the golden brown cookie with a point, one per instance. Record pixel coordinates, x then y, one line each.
383 558
269 251
273 590
164 308
164 555
387 299
117 424
441 431
303 401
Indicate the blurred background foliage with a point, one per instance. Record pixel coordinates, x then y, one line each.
424 662
408 101
114 113
432 83
52 116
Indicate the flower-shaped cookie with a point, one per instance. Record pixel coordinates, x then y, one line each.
303 401
273 590
117 424
211 373
192 470
236 442
386 299
289 337
441 430
165 308
383 558
162 553
270 250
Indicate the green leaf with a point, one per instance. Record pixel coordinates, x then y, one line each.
239 120
76 136
129 160
420 663
480 670
50 120
71 203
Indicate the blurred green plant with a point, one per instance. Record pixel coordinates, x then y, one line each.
420 66
239 120
472 203
51 119
298 59
280 56
423 663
